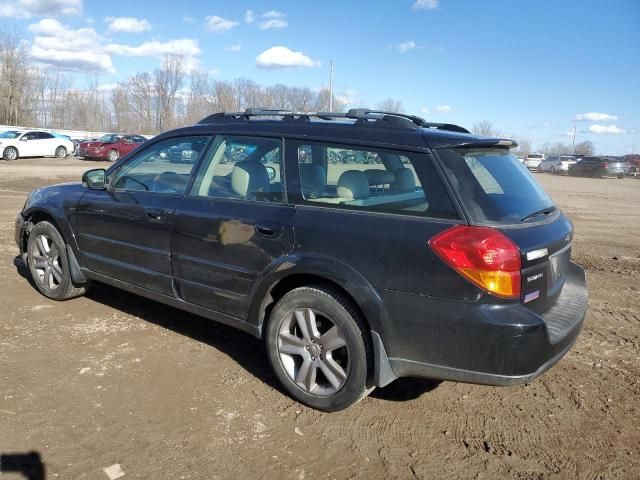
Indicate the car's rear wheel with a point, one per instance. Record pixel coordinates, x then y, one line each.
48 263
113 155
553 170
10 153
61 152
319 348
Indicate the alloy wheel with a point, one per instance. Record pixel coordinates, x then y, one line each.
45 258
313 351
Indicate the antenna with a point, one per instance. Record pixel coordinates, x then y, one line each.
331 86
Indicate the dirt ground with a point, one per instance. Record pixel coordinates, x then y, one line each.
112 378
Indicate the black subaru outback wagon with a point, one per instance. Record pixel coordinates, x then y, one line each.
361 246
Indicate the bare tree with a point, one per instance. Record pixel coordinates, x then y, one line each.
391 105
485 129
17 86
167 82
584 148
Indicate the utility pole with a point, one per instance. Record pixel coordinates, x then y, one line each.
573 144
331 86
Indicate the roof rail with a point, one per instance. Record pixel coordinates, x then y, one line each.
362 116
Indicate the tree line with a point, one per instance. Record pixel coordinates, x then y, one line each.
147 103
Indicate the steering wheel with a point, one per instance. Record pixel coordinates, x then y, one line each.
162 182
135 180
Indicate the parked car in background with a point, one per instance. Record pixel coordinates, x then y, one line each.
110 146
600 167
558 164
634 164
15 144
533 160
443 259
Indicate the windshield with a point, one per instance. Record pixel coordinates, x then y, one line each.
494 187
535 155
9 134
109 138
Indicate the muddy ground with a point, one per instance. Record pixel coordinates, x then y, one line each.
112 378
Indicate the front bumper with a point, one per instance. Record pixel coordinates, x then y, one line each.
487 344
92 153
20 227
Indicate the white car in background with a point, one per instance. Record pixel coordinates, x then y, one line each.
15 144
559 164
532 162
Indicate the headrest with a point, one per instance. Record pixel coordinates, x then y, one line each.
249 177
353 184
405 180
312 176
377 176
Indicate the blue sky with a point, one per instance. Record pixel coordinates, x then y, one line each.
535 69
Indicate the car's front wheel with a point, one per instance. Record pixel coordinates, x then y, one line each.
49 264
10 153
553 170
113 155
319 348
61 152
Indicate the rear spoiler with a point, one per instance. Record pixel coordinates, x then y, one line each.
475 142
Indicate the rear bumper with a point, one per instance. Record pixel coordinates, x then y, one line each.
487 344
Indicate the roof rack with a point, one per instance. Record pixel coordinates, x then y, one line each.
362 116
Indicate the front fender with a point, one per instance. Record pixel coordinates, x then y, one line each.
57 203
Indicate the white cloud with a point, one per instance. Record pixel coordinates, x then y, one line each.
274 20
68 49
236 47
188 19
186 47
40 8
424 110
283 57
594 117
444 108
249 16
605 129
127 25
425 5
406 46
218 24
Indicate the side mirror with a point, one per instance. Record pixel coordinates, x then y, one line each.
23 139
95 179
271 172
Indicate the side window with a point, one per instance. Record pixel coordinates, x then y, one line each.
163 167
137 139
371 179
29 136
43 135
243 168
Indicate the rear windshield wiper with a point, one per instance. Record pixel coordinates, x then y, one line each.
542 211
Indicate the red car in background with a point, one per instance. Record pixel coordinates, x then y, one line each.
110 146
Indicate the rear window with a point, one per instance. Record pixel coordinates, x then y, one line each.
494 187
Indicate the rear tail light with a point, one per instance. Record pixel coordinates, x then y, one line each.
483 255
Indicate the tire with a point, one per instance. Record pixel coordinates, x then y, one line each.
10 153
49 265
337 357
113 155
553 170
61 152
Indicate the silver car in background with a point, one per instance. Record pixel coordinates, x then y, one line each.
558 164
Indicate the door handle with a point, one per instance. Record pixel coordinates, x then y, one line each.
268 230
156 214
